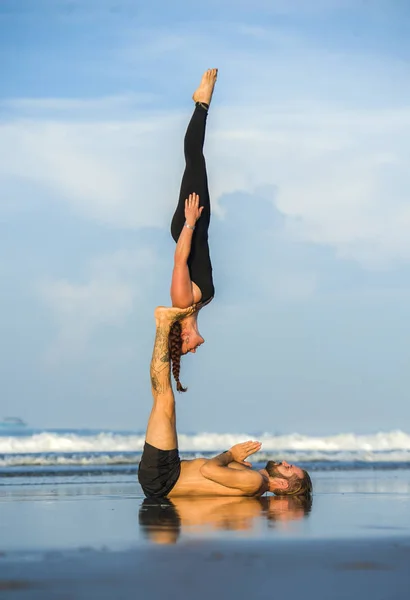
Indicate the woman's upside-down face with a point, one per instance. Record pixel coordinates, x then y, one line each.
191 342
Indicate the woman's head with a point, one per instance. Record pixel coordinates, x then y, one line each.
183 338
191 340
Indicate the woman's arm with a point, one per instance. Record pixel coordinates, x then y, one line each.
182 288
181 285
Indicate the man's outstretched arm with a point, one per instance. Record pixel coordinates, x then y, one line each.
217 469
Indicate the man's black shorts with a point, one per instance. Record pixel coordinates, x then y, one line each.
158 471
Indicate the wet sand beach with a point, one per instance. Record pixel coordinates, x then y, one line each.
85 539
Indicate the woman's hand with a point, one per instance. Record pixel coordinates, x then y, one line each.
192 209
241 451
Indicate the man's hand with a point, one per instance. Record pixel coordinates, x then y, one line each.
241 451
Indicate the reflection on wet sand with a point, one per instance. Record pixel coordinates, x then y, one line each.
162 520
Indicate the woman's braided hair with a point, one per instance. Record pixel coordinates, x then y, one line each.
175 351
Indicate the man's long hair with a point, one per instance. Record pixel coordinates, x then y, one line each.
297 485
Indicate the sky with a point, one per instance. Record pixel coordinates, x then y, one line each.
308 144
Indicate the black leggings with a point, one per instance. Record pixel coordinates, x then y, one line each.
195 181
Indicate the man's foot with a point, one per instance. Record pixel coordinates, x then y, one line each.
165 314
205 90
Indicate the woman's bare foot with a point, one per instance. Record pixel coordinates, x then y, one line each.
165 314
205 90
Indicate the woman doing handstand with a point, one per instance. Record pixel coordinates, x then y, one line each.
192 274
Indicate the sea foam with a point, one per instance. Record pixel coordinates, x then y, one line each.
100 442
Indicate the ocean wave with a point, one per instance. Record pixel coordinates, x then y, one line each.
45 460
110 442
67 449
71 442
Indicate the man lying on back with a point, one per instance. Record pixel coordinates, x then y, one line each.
161 471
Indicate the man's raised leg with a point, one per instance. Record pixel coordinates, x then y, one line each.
160 464
161 429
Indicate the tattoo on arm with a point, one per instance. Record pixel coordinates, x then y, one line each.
165 358
160 362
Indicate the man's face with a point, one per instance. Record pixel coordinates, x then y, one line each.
284 469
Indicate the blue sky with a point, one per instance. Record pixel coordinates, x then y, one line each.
307 151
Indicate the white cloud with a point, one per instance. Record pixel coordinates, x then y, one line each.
124 173
343 174
107 298
338 165
342 177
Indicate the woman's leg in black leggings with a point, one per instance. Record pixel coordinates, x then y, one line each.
194 179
